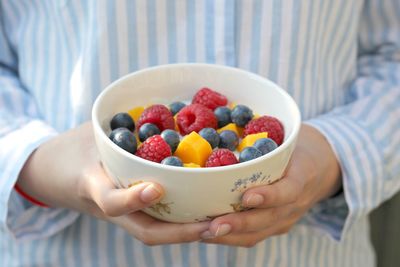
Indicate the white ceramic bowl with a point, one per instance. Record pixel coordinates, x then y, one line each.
194 194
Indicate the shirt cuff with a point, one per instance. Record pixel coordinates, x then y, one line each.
22 221
361 167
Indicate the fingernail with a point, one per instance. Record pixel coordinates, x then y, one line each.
254 200
207 235
150 193
223 229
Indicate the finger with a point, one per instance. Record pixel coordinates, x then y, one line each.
250 239
154 232
248 221
285 191
116 202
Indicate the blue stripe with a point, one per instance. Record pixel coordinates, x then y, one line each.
251 257
222 255
61 249
112 31
345 47
326 45
202 254
384 20
303 101
296 18
232 255
152 33
313 101
148 257
256 36
95 47
185 255
230 27
94 240
50 59
191 30
111 245
332 81
275 44
209 31
48 246
238 19
171 25
167 255
129 249
132 35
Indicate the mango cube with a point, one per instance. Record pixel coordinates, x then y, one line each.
194 149
135 113
233 127
231 105
191 165
250 139
176 124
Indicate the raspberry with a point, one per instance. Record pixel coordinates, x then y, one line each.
154 149
158 115
195 117
209 98
266 124
221 157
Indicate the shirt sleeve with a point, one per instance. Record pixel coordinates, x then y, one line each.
365 133
21 131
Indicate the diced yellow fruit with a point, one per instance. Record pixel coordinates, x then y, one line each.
137 139
135 113
191 165
232 105
233 127
250 139
256 116
193 149
176 125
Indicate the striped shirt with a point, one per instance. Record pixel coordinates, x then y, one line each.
340 60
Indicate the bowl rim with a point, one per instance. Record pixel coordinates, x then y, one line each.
291 138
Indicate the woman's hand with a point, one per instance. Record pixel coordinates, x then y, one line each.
66 172
313 174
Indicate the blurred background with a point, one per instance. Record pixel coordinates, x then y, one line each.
385 232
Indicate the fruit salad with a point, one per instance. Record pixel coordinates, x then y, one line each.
207 132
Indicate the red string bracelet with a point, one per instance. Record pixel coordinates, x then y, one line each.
28 197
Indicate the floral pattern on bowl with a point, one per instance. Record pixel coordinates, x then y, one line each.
240 185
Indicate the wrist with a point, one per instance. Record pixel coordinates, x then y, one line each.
324 159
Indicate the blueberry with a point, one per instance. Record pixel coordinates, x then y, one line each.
211 136
125 139
241 115
223 115
122 120
113 132
265 145
172 138
173 161
228 139
175 107
249 153
147 130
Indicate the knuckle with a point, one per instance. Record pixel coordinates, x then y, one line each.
275 214
284 230
241 223
149 241
250 244
145 237
107 211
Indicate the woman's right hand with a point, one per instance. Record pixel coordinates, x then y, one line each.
66 172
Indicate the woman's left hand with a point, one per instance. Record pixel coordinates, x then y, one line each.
313 174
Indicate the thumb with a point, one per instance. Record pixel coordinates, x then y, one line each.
119 201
